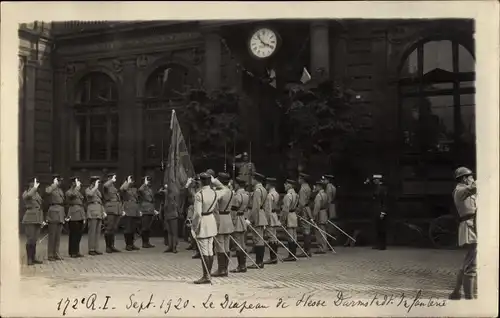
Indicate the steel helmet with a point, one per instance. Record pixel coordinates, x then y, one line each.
462 171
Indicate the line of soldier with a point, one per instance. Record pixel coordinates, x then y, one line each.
90 209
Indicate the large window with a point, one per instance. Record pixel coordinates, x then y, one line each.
96 114
437 100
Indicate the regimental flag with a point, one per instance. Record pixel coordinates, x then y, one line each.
179 167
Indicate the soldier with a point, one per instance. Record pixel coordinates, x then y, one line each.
379 211
464 197
132 213
289 218
95 214
171 225
258 221
114 211
32 220
147 208
246 168
204 224
249 191
77 217
272 213
192 188
56 217
331 192
320 215
225 225
239 210
304 197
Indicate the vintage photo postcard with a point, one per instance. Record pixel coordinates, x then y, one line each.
249 159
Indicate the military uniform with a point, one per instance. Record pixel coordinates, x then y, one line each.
204 225
191 192
257 218
132 214
225 225
320 217
380 214
113 207
32 221
95 215
56 217
272 211
246 169
303 211
331 192
289 218
171 225
76 213
239 211
147 207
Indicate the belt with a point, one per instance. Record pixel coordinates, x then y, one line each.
224 213
467 217
130 202
240 213
291 211
206 213
94 202
59 204
234 208
275 211
76 204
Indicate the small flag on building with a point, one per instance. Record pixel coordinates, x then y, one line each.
272 78
165 75
306 77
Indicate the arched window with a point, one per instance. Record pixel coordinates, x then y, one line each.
167 82
96 114
437 107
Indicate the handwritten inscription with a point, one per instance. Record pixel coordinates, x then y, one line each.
141 303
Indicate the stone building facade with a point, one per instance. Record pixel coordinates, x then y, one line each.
91 96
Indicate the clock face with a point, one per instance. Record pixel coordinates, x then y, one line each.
263 43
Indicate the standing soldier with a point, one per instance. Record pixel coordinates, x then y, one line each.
95 214
191 192
56 217
464 197
246 168
289 218
331 192
379 211
113 210
240 212
304 197
147 208
132 213
249 191
171 224
320 215
77 217
258 221
204 224
225 225
272 209
32 220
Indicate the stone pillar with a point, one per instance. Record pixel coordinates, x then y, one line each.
29 120
127 134
212 60
61 149
320 50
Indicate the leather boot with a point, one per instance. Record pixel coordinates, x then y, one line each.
33 255
107 239
145 240
112 242
241 266
307 246
456 294
258 260
128 243
468 285
205 279
273 257
290 257
220 265
132 242
29 255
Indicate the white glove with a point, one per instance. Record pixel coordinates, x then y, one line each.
248 222
55 181
44 223
140 213
36 184
156 212
104 215
123 213
189 181
212 179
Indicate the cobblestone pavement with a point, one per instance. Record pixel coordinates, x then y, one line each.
355 271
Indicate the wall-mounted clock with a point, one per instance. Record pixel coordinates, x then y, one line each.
263 43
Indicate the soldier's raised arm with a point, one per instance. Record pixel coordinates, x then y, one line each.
197 210
90 192
30 193
50 188
125 186
107 184
465 191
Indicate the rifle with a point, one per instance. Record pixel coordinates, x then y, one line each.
234 155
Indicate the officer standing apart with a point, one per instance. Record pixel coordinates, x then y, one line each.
271 209
132 213
289 218
147 207
304 197
258 220
77 217
56 217
95 215
114 211
171 224
32 220
225 225
379 211
204 224
239 215
464 197
320 215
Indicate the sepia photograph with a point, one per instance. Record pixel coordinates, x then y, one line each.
248 167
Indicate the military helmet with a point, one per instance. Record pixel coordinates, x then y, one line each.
462 172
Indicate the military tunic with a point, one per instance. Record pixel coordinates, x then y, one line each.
288 213
55 217
95 214
130 207
304 197
464 197
320 216
33 216
239 211
146 206
257 215
113 207
223 218
76 212
204 224
380 215
331 192
271 209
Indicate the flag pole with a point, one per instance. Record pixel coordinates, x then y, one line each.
234 156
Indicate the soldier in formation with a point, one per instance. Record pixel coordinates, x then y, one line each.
320 215
55 217
132 213
271 209
33 219
77 217
257 220
113 211
95 215
289 218
147 208
304 213
239 210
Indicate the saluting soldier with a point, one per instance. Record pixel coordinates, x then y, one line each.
147 208
132 213
56 217
95 214
113 207
304 197
271 209
204 224
258 221
77 217
249 190
224 224
289 218
464 197
379 211
33 219
239 212
331 192
246 168
320 215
